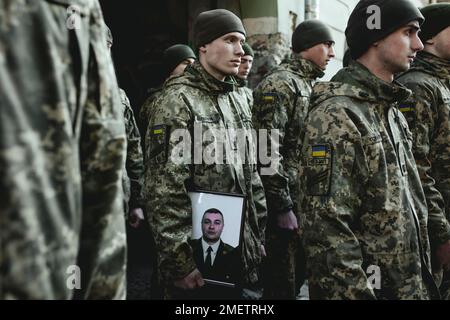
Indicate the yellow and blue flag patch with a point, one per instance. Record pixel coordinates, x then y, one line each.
406 107
159 140
319 151
269 96
158 130
318 171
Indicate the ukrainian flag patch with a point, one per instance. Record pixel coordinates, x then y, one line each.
406 107
159 141
158 129
318 170
319 151
269 96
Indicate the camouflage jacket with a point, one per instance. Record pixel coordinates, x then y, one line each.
191 101
362 207
146 108
281 103
134 165
245 91
62 150
428 115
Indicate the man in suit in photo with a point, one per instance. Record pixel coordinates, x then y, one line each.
215 259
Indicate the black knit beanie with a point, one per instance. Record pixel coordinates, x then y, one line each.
176 54
212 24
393 15
248 51
346 59
437 18
309 33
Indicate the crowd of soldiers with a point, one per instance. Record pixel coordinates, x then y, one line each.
354 204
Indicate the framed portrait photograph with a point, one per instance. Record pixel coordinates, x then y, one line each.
217 228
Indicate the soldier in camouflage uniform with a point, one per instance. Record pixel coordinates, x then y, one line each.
203 97
258 189
244 70
428 115
363 210
62 150
134 167
175 59
281 103
134 164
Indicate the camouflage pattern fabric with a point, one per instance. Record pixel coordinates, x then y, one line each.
134 165
245 91
197 99
362 205
281 103
60 112
146 109
428 116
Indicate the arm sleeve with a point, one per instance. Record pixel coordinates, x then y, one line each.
259 200
270 113
134 162
425 126
332 172
166 192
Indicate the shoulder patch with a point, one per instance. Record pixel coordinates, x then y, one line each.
406 107
158 130
159 139
269 96
318 170
319 151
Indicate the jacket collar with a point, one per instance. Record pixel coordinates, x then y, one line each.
207 82
375 89
357 82
302 67
432 64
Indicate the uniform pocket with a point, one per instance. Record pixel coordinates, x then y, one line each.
373 149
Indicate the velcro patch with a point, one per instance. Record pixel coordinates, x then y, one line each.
158 130
269 97
319 151
159 139
318 170
406 107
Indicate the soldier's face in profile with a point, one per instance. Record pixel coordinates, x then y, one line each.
397 51
222 57
212 226
180 68
320 54
245 67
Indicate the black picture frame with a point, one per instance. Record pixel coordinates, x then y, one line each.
233 208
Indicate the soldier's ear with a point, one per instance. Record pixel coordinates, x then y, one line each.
430 42
203 48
